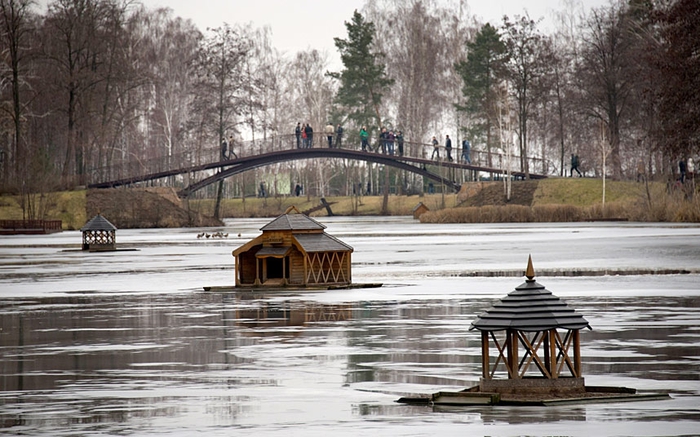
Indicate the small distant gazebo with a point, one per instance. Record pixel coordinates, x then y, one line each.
545 329
99 234
419 209
293 250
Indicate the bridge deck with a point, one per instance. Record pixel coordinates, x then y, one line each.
430 169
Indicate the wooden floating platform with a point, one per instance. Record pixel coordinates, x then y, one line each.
293 287
101 250
473 396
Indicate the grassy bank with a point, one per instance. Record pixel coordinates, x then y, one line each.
341 205
569 200
588 192
67 206
548 200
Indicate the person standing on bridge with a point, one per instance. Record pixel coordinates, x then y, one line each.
390 138
364 139
448 147
339 136
230 148
399 142
330 130
308 130
436 149
224 149
297 133
466 151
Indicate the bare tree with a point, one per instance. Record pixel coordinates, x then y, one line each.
170 52
605 79
15 34
73 42
411 41
221 84
525 47
679 64
309 88
564 50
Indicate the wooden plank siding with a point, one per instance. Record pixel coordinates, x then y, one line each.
293 250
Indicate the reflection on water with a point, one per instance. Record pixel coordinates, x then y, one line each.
134 361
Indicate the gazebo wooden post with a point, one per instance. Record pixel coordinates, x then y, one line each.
554 374
545 351
485 364
577 352
515 344
512 353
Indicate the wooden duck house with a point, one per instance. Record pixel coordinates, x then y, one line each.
99 234
536 339
293 250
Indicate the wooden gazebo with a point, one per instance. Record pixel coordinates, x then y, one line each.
293 250
548 331
99 234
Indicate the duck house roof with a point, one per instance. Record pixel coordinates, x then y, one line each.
530 307
98 223
293 222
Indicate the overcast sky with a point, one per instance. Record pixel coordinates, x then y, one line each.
302 24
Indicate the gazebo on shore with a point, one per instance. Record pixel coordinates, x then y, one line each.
547 330
99 234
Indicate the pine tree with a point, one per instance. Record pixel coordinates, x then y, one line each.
364 79
480 73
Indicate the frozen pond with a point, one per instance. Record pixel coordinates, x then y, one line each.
129 343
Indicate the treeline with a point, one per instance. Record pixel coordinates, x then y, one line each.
87 83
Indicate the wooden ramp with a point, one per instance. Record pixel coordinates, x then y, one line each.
324 204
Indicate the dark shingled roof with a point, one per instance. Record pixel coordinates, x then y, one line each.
98 223
321 243
293 222
530 308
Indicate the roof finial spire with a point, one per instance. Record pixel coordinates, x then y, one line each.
530 271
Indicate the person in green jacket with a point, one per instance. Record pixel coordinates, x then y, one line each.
364 137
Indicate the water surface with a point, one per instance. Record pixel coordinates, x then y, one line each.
129 343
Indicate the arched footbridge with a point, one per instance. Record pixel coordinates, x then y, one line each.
227 168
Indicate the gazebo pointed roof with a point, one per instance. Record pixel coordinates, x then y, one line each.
98 223
531 308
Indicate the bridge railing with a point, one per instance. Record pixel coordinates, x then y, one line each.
130 166
478 158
